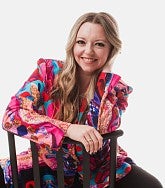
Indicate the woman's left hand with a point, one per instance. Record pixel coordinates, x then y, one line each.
87 135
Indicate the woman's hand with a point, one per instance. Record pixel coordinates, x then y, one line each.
88 136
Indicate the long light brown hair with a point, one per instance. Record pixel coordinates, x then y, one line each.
67 86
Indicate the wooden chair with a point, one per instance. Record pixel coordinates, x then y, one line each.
113 136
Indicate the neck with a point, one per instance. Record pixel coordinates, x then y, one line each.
84 82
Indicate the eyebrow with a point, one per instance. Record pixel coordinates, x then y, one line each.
103 40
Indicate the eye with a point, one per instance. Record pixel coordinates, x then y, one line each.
81 42
100 44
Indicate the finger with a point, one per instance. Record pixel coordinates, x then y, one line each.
85 143
99 139
95 142
90 143
94 139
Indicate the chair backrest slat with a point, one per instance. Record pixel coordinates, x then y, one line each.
35 162
59 155
13 159
60 171
86 169
112 175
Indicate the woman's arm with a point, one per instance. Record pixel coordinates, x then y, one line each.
110 100
114 102
29 113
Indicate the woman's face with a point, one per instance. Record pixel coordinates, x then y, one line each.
91 49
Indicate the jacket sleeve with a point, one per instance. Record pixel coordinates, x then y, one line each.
119 97
113 102
26 115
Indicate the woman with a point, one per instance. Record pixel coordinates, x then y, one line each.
82 99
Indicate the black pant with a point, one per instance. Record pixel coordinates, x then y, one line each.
138 178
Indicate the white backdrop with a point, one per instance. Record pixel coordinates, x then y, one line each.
33 29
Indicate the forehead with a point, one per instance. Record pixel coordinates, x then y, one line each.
88 29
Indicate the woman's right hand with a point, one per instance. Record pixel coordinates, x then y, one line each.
87 135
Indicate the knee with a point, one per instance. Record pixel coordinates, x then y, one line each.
157 184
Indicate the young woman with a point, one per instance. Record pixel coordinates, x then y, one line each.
80 98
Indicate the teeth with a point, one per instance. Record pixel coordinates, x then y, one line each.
89 59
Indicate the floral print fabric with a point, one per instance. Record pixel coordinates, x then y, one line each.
30 115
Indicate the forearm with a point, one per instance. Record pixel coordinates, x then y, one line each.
29 124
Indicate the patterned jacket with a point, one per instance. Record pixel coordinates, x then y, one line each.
31 110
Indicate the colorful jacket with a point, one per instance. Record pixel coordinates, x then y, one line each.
30 115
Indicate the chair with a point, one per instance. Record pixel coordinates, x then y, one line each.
113 136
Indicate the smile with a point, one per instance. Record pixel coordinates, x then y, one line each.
88 60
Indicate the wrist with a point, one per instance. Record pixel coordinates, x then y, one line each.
68 129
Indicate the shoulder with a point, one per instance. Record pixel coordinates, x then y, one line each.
116 82
123 87
48 68
108 80
109 84
47 65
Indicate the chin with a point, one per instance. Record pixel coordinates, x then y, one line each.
87 71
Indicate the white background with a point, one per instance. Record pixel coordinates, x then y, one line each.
37 28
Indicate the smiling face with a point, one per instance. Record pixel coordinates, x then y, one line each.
91 49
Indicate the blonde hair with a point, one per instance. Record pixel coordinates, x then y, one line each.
67 86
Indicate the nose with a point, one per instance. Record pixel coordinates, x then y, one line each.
89 48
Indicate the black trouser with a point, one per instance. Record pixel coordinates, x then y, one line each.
138 178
